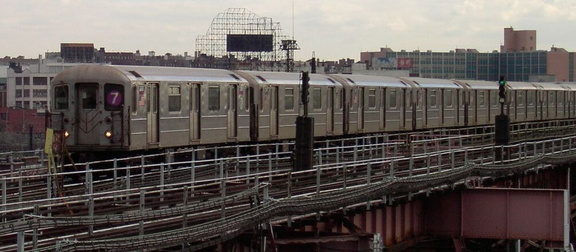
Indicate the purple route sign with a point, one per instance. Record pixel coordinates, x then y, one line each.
114 98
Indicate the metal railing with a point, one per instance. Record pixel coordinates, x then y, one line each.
138 201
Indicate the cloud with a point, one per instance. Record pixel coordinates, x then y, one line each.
334 29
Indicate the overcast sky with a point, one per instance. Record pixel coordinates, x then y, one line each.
331 29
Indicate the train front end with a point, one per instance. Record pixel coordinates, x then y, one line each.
88 108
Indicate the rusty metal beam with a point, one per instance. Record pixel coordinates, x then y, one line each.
501 213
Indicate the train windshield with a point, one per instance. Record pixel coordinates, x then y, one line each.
61 97
114 97
89 97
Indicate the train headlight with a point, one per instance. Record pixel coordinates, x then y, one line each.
108 134
66 134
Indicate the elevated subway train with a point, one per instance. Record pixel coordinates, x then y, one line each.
106 108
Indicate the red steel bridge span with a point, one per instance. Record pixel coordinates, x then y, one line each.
424 191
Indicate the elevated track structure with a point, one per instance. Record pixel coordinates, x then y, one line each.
239 202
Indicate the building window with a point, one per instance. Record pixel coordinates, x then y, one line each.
174 98
39 93
214 98
26 81
18 93
18 80
39 81
26 93
289 99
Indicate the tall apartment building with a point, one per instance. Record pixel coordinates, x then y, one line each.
519 62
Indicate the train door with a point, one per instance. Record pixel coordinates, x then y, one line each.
330 111
87 113
195 112
426 107
382 108
360 109
570 103
531 105
152 114
405 107
232 111
442 105
465 101
274 111
419 115
457 107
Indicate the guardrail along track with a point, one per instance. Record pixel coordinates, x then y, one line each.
132 204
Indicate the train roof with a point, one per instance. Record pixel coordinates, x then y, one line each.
285 78
115 74
371 80
478 84
551 86
568 85
433 83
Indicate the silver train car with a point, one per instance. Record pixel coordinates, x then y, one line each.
113 109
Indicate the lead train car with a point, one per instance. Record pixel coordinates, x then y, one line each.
127 108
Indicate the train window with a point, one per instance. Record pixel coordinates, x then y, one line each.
393 99
262 99
174 98
214 98
289 99
493 96
354 99
480 98
520 98
448 98
341 93
317 98
247 98
371 98
134 102
61 97
113 97
531 96
89 97
433 98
